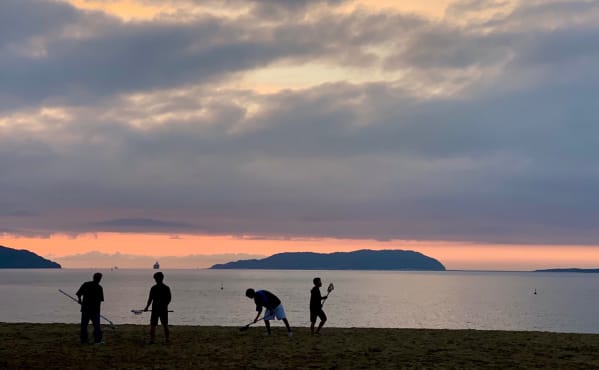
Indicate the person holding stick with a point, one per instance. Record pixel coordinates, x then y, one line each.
316 302
160 297
274 308
93 296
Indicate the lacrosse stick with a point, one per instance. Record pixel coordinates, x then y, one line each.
139 312
330 289
76 300
244 328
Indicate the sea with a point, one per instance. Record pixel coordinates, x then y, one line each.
539 301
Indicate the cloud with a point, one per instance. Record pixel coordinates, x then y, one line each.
85 56
41 18
140 224
461 8
486 133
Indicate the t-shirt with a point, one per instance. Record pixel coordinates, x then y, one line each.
264 298
315 298
93 295
160 294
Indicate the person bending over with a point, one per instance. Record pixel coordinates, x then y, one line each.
273 305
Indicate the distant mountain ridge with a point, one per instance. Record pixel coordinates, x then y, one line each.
571 269
364 259
23 259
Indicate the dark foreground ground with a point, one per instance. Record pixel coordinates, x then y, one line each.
56 346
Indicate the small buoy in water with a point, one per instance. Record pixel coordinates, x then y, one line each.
221 287
535 291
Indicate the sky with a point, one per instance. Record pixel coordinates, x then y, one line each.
200 131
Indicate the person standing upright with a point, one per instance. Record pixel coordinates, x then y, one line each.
93 296
160 297
316 301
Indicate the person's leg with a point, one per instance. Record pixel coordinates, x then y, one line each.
323 319
164 322
152 333
287 325
166 334
279 313
312 321
83 328
267 324
97 327
153 324
320 326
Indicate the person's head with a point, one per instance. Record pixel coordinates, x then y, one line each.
317 282
250 293
159 277
97 277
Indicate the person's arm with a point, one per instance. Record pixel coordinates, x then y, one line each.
149 301
168 296
258 315
80 293
259 303
321 297
101 294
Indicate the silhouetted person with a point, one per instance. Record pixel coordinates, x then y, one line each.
160 297
274 308
93 296
316 301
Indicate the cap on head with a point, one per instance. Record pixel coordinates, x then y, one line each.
250 293
97 277
159 277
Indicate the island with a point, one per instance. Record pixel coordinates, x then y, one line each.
23 259
365 259
571 269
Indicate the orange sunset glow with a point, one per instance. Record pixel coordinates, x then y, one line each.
453 255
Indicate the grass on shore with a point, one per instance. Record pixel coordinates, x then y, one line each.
56 346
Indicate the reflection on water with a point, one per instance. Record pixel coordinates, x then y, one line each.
479 300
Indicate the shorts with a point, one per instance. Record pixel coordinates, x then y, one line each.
278 313
162 315
317 313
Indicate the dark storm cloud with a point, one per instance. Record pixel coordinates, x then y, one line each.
510 156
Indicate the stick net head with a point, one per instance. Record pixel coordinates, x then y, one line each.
330 288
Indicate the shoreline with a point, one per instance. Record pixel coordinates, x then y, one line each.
37 346
277 324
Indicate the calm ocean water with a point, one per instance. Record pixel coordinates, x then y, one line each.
565 302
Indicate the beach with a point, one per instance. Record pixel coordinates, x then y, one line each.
50 346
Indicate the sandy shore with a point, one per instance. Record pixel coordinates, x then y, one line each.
53 346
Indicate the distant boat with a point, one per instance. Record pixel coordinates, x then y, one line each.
156 266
